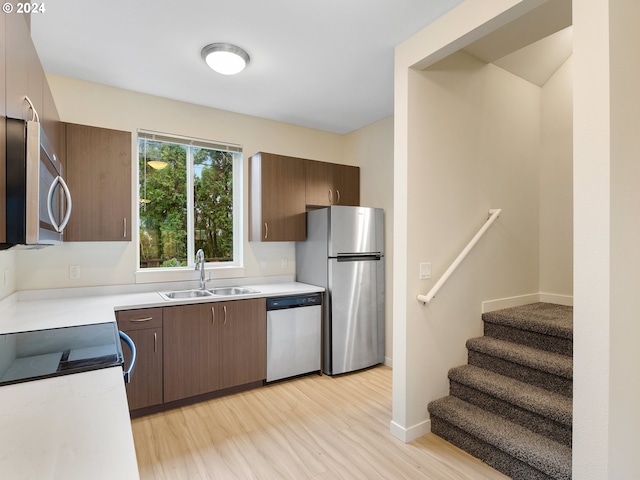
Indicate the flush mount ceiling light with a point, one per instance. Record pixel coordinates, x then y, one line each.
225 58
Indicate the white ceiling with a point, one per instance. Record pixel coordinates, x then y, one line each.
324 64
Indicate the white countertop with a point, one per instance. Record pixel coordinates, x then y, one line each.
77 426
69 427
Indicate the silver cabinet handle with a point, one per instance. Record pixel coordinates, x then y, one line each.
213 316
338 193
266 230
124 230
330 197
59 181
140 320
225 314
155 342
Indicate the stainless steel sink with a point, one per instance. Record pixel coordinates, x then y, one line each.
232 291
182 294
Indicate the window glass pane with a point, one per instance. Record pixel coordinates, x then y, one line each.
213 203
163 203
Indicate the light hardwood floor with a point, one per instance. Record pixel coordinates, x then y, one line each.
314 427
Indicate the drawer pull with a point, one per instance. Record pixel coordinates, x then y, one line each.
140 320
155 342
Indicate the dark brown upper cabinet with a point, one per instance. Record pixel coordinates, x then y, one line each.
99 178
276 198
281 189
331 184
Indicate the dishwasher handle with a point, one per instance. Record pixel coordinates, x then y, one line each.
132 346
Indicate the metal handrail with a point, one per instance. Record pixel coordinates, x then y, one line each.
493 214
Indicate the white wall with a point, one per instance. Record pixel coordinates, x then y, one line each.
473 144
111 263
372 148
469 21
606 231
556 183
7 273
606 240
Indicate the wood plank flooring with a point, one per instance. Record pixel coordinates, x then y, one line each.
314 427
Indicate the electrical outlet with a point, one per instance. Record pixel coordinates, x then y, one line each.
263 264
425 270
284 263
6 277
74 272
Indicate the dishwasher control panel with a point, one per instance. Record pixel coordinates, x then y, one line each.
277 303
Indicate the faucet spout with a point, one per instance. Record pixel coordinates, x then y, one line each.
200 266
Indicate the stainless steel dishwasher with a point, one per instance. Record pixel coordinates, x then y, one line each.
293 335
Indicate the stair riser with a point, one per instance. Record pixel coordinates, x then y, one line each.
545 380
533 421
558 345
498 459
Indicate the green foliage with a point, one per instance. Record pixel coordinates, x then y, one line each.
173 262
213 203
163 204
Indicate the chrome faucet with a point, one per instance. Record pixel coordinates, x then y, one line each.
200 266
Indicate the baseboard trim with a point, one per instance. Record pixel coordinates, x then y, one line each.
557 299
409 434
500 303
388 361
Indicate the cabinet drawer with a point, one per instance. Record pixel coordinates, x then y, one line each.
139 319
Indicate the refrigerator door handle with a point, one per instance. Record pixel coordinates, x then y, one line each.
358 257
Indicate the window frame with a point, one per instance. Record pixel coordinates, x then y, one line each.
234 268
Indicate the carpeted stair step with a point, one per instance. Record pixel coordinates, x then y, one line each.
547 370
541 325
506 446
535 408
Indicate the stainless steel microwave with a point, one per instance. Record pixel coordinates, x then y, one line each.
38 200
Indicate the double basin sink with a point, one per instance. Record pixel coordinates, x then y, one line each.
197 293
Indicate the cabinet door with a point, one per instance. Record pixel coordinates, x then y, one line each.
319 183
144 326
24 74
346 181
145 388
190 353
277 198
99 178
242 342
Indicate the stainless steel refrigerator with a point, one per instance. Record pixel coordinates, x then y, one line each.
344 253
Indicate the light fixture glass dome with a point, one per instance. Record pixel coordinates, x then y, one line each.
225 58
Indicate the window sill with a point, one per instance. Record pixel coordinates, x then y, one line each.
187 274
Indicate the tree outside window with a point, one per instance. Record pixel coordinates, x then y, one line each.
186 201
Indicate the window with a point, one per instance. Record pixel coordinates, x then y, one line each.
189 191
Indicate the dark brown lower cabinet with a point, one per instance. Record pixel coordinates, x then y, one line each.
144 326
213 346
242 342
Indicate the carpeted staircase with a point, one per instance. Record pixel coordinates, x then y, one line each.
511 406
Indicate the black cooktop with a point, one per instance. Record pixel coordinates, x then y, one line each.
47 353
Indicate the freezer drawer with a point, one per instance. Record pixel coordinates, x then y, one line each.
293 341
